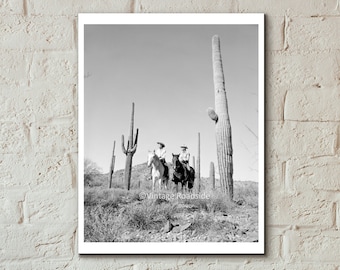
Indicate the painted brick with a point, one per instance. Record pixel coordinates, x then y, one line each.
306 209
53 68
54 264
17 66
28 105
53 172
298 139
51 103
38 241
274 171
12 138
13 169
36 170
11 6
73 7
18 266
36 33
290 266
164 262
43 206
73 162
12 205
320 173
55 136
337 215
313 246
13 105
295 8
275 104
275 26
313 105
302 70
309 33
186 6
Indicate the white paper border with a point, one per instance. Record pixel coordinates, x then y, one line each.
170 247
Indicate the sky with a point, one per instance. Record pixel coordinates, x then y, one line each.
166 70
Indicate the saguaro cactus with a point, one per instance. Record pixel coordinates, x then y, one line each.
112 167
212 175
222 122
130 150
198 164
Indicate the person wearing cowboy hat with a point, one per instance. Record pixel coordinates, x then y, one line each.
184 156
160 152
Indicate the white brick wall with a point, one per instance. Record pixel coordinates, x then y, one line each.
38 135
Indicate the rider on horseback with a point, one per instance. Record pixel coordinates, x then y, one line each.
161 153
184 156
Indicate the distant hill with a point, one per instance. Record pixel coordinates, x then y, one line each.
141 174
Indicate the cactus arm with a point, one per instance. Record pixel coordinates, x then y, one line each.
212 114
133 149
136 137
123 147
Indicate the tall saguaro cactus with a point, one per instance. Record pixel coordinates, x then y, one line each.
130 150
212 175
222 122
198 164
112 167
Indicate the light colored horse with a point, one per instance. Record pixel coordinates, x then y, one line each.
157 171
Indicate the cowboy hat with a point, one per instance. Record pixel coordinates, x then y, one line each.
162 144
184 146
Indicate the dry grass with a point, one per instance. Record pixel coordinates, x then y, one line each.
118 215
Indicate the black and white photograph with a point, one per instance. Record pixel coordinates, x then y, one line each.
171 133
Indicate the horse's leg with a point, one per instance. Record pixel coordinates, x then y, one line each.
153 183
166 183
163 183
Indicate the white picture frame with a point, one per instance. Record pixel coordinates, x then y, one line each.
207 20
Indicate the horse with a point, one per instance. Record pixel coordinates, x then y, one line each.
182 174
158 170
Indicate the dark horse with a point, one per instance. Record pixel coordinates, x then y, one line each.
182 174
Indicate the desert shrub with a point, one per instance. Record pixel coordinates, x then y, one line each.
117 185
148 215
98 195
201 223
219 202
198 204
101 223
246 193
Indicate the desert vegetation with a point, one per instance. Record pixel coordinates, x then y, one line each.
120 215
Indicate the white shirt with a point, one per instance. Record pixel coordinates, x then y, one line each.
184 156
161 153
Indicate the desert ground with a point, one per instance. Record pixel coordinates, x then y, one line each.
140 215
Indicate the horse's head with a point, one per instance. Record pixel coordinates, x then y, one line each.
175 162
151 156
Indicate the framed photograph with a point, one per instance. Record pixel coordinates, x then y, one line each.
171 133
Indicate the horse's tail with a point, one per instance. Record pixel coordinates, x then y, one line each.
191 178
